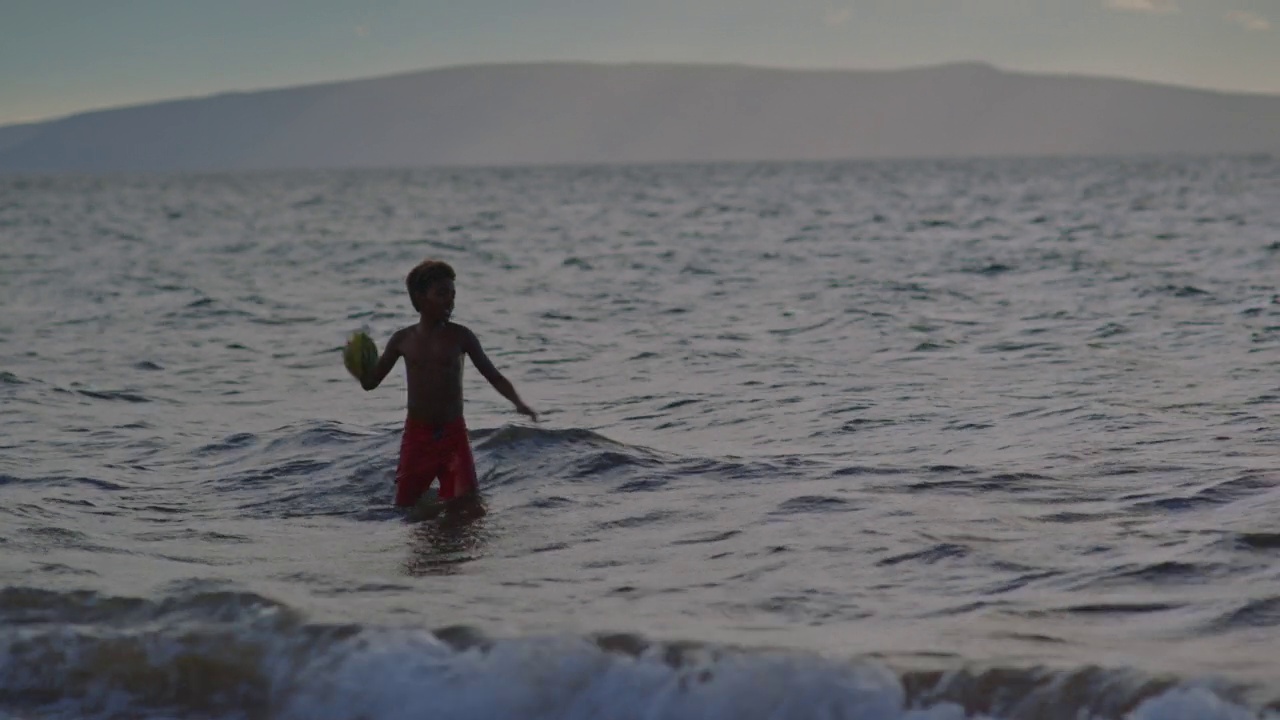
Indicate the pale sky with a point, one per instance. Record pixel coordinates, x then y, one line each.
59 57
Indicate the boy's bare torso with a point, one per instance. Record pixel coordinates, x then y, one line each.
433 366
432 350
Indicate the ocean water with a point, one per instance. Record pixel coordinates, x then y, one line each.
987 439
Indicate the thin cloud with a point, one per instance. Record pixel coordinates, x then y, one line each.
1249 21
1150 7
362 31
836 17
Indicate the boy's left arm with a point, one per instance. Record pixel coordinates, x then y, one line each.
471 346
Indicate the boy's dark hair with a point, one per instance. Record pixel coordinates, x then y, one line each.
425 273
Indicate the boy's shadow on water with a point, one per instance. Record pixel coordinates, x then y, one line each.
445 538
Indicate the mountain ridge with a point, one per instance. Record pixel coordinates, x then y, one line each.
587 113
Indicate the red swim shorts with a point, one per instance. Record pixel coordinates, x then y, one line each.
430 451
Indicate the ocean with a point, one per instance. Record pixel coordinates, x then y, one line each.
866 440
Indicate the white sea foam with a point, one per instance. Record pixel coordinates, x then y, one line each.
392 675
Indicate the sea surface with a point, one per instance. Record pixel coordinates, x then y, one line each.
928 440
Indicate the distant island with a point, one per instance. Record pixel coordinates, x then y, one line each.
579 113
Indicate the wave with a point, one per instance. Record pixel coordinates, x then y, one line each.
211 652
334 469
327 468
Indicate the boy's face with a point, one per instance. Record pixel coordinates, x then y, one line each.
437 299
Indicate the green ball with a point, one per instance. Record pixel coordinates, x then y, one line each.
360 355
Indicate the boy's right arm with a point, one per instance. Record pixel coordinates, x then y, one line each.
471 346
373 377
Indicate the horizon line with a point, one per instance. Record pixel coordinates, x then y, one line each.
635 63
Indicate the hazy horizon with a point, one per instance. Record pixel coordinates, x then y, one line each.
79 56
743 65
577 113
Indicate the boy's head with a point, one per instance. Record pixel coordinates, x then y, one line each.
427 275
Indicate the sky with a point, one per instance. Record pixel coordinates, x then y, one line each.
61 57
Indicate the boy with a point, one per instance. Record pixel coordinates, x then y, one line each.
435 440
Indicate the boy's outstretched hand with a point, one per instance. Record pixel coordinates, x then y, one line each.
526 410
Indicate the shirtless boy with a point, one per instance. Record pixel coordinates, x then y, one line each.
435 440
